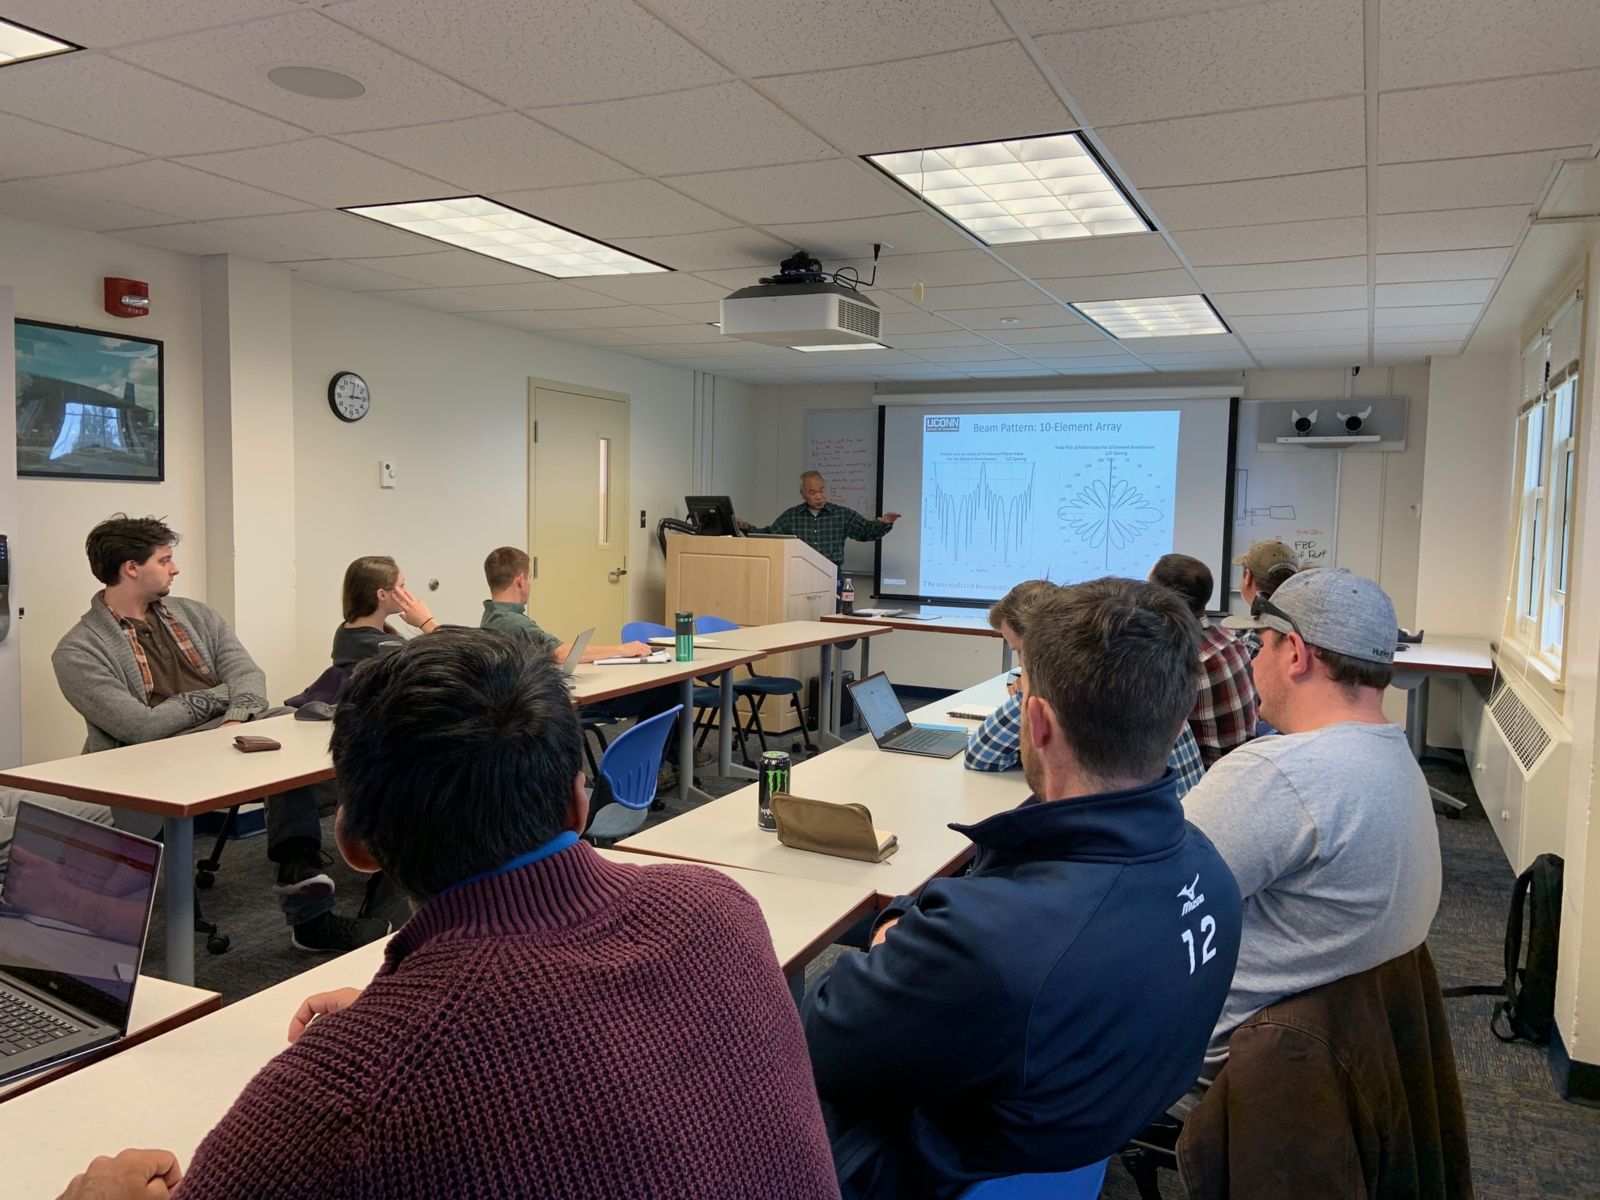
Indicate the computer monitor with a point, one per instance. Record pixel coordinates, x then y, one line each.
712 515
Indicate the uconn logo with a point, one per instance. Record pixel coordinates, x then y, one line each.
941 424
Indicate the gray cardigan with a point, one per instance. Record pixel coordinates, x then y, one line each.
100 678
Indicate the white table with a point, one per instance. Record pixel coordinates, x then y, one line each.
913 797
963 622
170 1091
1418 663
158 1007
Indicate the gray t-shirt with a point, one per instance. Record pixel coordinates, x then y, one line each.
1332 839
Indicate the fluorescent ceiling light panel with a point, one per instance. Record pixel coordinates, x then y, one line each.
1036 189
485 227
852 346
1153 316
18 43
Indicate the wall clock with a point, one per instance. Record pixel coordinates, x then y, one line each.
349 396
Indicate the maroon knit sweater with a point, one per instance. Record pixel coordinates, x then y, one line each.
575 1028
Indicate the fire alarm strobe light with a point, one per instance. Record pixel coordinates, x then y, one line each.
127 297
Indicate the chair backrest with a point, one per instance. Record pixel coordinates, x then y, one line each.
631 761
643 631
1082 1184
714 624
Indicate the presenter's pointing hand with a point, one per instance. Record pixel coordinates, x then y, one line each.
889 518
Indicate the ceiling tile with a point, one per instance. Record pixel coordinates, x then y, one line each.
599 50
114 102
1504 116
1314 196
1284 140
668 135
1053 16
898 325
1120 365
952 267
535 294
1167 347
966 96
1025 339
44 201
622 316
710 251
631 208
183 191
701 311
1349 355
675 288
1442 264
1054 317
936 341
1414 351
1021 369
966 354
1447 41
323 172
1294 300
502 152
1290 339
810 35
601 337
551 321
197 238
1122 287
1498 179
96 23
905 233
1451 229
696 334
1414 334
1211 62
1283 242
233 62
448 268
34 149
1119 255
1441 314
327 234
1464 291
1301 322
1097 346
347 276
1221 360
978 295
831 190
1322 272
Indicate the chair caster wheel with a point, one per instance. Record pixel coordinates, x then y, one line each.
218 944
204 879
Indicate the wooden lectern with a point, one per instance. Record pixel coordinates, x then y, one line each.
753 581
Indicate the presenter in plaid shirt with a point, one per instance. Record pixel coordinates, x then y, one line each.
1225 710
823 526
996 745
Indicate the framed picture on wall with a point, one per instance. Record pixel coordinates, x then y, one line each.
90 405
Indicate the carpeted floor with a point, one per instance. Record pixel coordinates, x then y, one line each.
1525 1140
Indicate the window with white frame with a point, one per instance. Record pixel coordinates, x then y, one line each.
1546 474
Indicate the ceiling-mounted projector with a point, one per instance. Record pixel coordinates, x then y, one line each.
802 306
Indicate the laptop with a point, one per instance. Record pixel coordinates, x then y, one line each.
74 916
892 729
575 655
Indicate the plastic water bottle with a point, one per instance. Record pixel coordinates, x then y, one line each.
847 597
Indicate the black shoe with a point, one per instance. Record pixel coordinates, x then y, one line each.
333 934
303 876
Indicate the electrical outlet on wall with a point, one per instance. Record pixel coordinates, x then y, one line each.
388 475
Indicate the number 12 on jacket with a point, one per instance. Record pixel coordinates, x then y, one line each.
1208 926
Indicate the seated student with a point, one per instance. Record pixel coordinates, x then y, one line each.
1224 713
996 745
142 665
11 797
1329 828
549 1022
375 590
1033 1015
1263 567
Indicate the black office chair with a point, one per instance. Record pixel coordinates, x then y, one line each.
205 875
1151 1152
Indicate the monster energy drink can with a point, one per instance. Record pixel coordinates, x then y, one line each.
775 766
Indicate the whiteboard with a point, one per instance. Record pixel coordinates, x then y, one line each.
842 443
1290 494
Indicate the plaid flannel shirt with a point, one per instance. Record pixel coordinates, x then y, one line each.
1224 713
996 745
827 530
180 635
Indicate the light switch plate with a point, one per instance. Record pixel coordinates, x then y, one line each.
388 477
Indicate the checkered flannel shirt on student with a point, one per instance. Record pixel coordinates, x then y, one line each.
1224 713
180 637
996 745
826 531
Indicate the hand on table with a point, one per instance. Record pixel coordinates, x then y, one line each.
741 523
131 1175
639 649
412 610
321 1005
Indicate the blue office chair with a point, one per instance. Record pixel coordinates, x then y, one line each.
758 686
1082 1184
707 696
630 765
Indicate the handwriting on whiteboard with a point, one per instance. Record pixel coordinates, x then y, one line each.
1311 547
849 464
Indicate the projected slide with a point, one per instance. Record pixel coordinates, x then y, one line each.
1007 497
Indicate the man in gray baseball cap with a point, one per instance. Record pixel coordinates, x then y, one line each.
1328 828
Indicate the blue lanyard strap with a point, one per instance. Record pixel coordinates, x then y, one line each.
555 845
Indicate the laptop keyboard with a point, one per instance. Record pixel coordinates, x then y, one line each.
921 739
24 1025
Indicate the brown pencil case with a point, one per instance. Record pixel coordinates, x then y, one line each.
249 743
842 830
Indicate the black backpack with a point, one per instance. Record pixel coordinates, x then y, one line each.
1530 991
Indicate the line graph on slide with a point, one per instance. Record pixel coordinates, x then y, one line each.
980 510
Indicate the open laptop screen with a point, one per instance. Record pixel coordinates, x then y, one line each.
879 706
75 910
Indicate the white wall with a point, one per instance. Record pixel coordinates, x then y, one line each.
11 648
56 276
